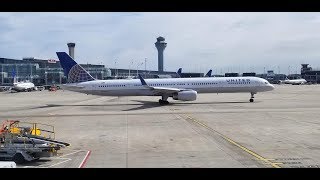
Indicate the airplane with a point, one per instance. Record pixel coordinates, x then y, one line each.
184 89
293 81
22 86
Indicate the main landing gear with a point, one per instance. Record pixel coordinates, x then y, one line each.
252 97
163 101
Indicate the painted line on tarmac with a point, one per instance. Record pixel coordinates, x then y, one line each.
70 153
84 160
67 159
56 158
146 113
273 164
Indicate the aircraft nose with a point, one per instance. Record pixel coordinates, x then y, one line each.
271 87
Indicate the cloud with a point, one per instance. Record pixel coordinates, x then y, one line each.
196 41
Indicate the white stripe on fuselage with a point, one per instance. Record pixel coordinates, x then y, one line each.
133 87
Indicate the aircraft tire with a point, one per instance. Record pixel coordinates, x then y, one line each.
162 102
18 158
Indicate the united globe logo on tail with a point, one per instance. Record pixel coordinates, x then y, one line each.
72 70
78 74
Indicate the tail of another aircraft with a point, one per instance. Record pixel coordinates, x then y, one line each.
209 73
74 72
179 72
14 76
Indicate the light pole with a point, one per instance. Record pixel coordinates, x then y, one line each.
102 74
30 72
145 67
130 66
2 74
138 67
45 73
288 70
60 76
102 71
115 68
17 76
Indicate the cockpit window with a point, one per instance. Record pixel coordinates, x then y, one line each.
266 82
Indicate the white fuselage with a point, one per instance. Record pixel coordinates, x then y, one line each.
295 81
23 86
134 87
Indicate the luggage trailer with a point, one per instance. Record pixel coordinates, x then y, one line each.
22 141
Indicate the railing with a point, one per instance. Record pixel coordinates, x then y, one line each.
39 129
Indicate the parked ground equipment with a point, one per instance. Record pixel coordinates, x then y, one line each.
22 141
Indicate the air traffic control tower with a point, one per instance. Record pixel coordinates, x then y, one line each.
71 49
160 45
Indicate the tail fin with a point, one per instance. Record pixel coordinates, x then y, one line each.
209 73
74 72
14 76
179 72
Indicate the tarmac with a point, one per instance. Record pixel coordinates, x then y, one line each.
281 129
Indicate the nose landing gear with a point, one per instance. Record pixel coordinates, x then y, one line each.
252 97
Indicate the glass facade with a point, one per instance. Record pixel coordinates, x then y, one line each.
42 72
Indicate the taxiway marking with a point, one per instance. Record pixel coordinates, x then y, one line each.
273 164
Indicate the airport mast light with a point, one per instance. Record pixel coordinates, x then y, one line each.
130 67
138 67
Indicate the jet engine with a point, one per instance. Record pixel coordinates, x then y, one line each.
185 95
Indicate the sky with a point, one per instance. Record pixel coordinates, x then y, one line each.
197 41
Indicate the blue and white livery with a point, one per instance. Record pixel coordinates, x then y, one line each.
184 89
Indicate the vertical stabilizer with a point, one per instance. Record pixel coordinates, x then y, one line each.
74 72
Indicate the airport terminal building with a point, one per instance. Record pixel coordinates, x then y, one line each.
42 72
133 73
49 72
309 74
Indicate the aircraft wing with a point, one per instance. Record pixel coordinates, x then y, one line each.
159 90
164 90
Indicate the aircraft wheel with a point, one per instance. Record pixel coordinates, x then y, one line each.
251 100
18 158
162 102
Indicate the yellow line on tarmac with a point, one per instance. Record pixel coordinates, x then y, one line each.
236 144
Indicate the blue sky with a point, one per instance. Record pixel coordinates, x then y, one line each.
223 41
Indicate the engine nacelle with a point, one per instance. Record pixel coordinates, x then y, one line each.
185 95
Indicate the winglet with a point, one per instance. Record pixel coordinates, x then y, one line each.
143 82
209 73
